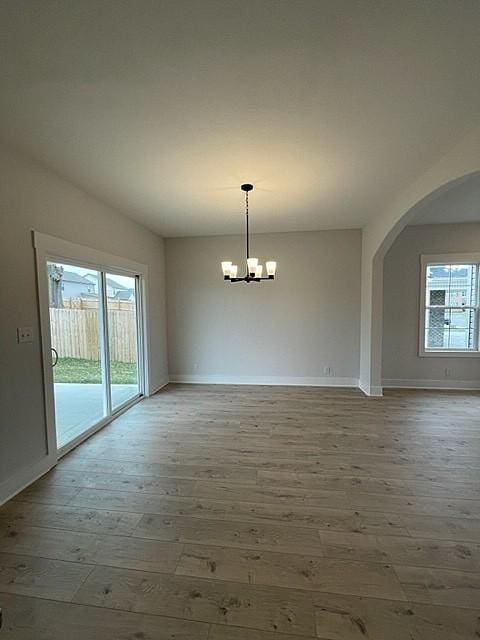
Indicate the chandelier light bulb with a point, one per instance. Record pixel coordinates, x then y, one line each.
252 265
233 271
271 268
258 272
226 268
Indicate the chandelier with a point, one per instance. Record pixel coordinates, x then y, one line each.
253 269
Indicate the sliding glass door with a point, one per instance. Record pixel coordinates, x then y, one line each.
95 336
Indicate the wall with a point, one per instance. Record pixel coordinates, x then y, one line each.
380 233
31 197
286 331
401 303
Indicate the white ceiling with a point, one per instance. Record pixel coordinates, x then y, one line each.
162 109
460 203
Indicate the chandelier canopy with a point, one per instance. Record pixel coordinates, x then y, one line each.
253 271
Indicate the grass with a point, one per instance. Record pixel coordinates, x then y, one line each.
80 371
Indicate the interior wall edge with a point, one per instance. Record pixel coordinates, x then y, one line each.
21 479
370 390
153 390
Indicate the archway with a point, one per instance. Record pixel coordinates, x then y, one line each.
446 223
462 162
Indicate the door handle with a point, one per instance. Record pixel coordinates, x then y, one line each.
55 352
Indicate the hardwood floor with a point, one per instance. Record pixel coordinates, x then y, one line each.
254 513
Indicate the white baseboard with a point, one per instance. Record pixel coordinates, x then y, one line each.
156 389
461 385
267 380
21 479
370 390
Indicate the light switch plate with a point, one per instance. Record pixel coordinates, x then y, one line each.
25 334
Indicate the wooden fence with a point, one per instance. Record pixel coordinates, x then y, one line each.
75 333
92 303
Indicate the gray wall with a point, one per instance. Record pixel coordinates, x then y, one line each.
33 198
401 305
294 327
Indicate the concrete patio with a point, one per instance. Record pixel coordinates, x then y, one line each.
79 406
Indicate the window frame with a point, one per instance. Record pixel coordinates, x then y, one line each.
440 260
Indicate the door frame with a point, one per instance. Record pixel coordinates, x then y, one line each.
52 248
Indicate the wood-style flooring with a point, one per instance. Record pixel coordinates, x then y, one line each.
255 513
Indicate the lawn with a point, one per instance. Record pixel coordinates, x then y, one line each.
89 371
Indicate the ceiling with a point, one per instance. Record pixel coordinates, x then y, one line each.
162 109
460 203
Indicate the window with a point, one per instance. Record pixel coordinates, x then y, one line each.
450 305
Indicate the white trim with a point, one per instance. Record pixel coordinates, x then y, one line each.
266 380
71 252
441 259
46 344
462 385
23 478
370 391
445 353
104 344
143 345
450 258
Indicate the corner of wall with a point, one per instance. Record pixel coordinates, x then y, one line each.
24 477
370 390
158 387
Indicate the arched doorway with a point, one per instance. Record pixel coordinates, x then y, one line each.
434 261
458 165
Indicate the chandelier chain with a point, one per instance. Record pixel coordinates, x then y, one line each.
246 214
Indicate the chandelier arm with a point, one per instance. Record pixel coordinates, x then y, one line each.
250 279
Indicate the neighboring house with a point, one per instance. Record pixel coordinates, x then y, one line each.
92 277
128 295
75 286
452 286
113 287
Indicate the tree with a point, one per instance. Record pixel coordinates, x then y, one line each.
55 290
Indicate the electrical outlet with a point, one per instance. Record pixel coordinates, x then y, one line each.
447 372
327 371
24 334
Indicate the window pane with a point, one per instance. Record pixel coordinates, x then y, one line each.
449 329
75 330
122 334
453 285
461 329
436 332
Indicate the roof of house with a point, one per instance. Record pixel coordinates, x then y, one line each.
116 285
70 276
124 295
110 282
